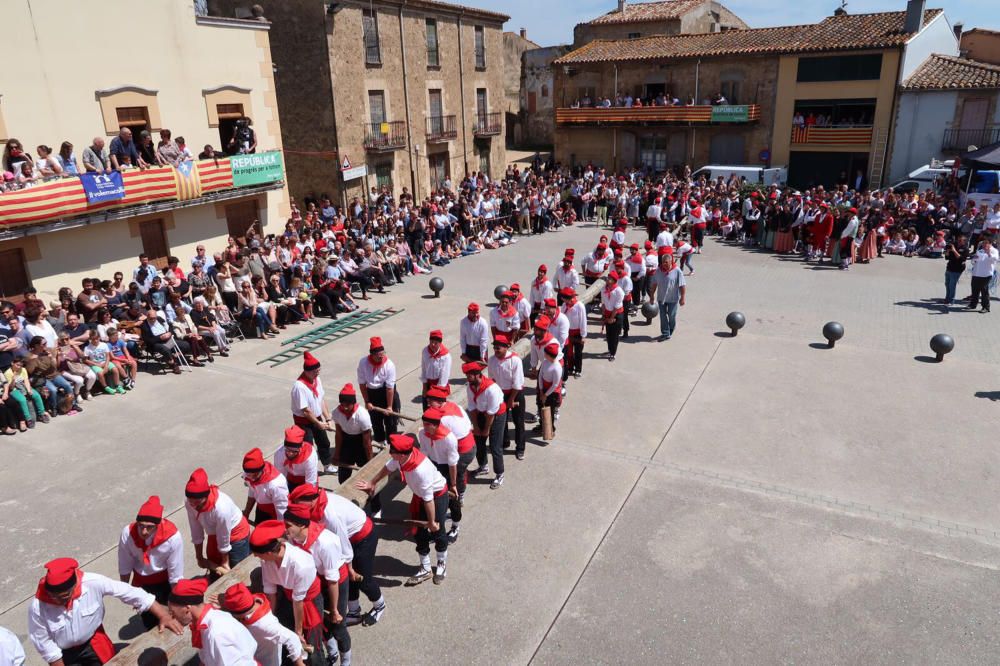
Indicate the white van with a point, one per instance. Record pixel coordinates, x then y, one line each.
923 177
759 175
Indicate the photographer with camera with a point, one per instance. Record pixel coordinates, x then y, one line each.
244 139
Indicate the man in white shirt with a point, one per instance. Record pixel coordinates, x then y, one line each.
217 523
984 263
613 308
377 381
11 652
474 334
353 441
653 216
435 362
549 388
576 314
507 370
309 410
566 276
541 289
488 411
219 638
664 238
267 488
296 459
151 554
253 611
66 616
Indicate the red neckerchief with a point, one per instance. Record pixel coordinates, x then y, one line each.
311 536
319 508
164 531
43 595
636 258
197 626
484 384
440 433
610 288
546 339
311 385
540 281
520 297
353 407
377 364
260 608
213 496
442 351
269 473
568 305
506 314
416 457
304 454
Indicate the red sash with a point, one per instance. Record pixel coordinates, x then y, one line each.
158 578
241 531
363 533
467 443
310 614
102 645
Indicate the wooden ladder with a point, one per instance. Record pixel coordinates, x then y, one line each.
879 154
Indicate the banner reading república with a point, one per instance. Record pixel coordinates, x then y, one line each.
731 113
256 169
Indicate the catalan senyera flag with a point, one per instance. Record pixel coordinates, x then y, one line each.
187 180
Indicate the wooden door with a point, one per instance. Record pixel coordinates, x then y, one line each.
240 216
154 242
974 114
13 273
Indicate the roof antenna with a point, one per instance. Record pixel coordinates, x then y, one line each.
842 9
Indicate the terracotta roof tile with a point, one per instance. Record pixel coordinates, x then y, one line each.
835 33
643 12
941 72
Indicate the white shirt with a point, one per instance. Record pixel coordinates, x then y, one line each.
302 397
559 328
219 521
983 262
550 373
167 556
539 292
487 401
502 323
653 212
424 480
355 424
567 278
273 492
474 334
596 266
225 641
523 308
11 652
507 372
664 239
295 573
443 451
435 369
328 555
271 636
537 351
613 301
384 376
53 628
576 315
460 424
345 519
307 469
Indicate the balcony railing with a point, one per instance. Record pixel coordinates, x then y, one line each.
833 135
660 115
961 139
385 136
441 128
487 124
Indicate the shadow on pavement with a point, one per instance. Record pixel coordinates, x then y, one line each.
932 305
989 395
925 359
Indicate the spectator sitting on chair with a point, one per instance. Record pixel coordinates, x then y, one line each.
98 356
78 332
159 340
208 326
123 361
43 369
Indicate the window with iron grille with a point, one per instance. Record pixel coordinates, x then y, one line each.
369 26
376 106
480 43
433 59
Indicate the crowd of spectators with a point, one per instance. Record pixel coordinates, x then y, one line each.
21 169
627 101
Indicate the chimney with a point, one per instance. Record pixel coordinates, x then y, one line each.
958 28
524 33
621 6
914 16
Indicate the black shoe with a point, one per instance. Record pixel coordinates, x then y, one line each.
374 615
519 455
453 532
418 578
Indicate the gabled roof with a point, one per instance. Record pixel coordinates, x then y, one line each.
644 12
941 72
835 33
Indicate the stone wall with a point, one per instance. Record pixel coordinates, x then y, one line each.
537 104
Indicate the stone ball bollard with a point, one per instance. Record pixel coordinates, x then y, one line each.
649 311
499 290
833 331
436 284
941 344
735 321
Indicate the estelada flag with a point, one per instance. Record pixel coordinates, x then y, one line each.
187 180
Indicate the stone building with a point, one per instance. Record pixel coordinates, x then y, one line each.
537 95
405 92
665 17
515 45
981 45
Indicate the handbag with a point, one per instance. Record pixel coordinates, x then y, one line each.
77 368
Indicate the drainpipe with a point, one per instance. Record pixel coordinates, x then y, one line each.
412 152
461 92
694 131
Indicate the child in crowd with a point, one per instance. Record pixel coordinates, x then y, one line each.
98 355
896 245
17 386
124 362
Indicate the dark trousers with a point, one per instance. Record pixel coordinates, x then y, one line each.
352 452
161 591
383 425
577 357
516 418
316 435
493 441
454 505
81 655
473 352
337 630
613 331
440 538
625 322
364 564
980 292
638 286
286 616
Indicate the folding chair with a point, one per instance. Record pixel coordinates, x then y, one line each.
229 324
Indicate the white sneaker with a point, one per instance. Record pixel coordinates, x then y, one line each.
330 469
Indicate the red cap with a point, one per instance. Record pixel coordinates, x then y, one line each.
400 443
552 349
60 574
664 250
436 335
568 259
348 389
298 514
309 362
507 294
294 435
854 210
438 392
375 345
237 599
197 485
620 264
613 276
543 268
432 414
649 245
550 303
253 461
189 591
570 252
634 246
151 510
542 322
568 292
306 492
473 307
515 287
473 366
663 225
602 246
265 535
501 339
